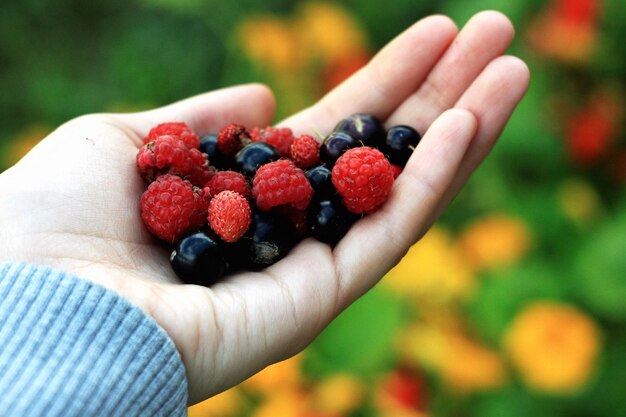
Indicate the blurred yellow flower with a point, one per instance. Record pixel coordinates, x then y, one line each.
277 377
433 270
271 41
340 394
225 404
329 31
553 346
579 201
494 241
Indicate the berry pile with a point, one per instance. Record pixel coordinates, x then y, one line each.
242 200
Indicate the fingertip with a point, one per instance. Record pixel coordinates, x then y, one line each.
493 20
518 69
458 122
442 22
264 99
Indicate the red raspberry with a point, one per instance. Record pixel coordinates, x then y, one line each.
231 139
363 177
229 215
179 130
280 138
305 151
171 207
166 154
200 175
397 170
281 182
229 180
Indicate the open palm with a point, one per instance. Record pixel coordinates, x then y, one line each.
72 202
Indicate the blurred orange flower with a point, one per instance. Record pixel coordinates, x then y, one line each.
467 365
289 403
271 41
433 270
277 377
567 30
225 404
554 346
462 362
494 241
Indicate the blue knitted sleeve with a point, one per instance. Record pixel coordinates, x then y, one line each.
70 348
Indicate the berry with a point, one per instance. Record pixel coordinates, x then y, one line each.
297 218
320 179
229 180
166 154
229 215
198 259
253 156
305 151
208 145
200 175
231 139
335 145
279 183
363 177
365 128
177 129
269 238
399 144
280 138
397 170
171 207
329 221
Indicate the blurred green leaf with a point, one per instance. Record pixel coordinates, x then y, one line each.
361 340
513 402
600 269
461 11
505 292
605 396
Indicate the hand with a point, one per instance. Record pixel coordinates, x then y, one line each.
72 202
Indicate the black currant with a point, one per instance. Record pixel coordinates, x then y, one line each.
335 145
267 241
365 128
254 155
320 178
208 145
198 259
400 142
329 220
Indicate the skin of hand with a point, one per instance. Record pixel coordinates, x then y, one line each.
73 201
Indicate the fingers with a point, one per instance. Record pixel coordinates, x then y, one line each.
390 77
485 37
492 97
250 105
377 242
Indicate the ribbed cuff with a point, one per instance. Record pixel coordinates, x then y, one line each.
69 347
